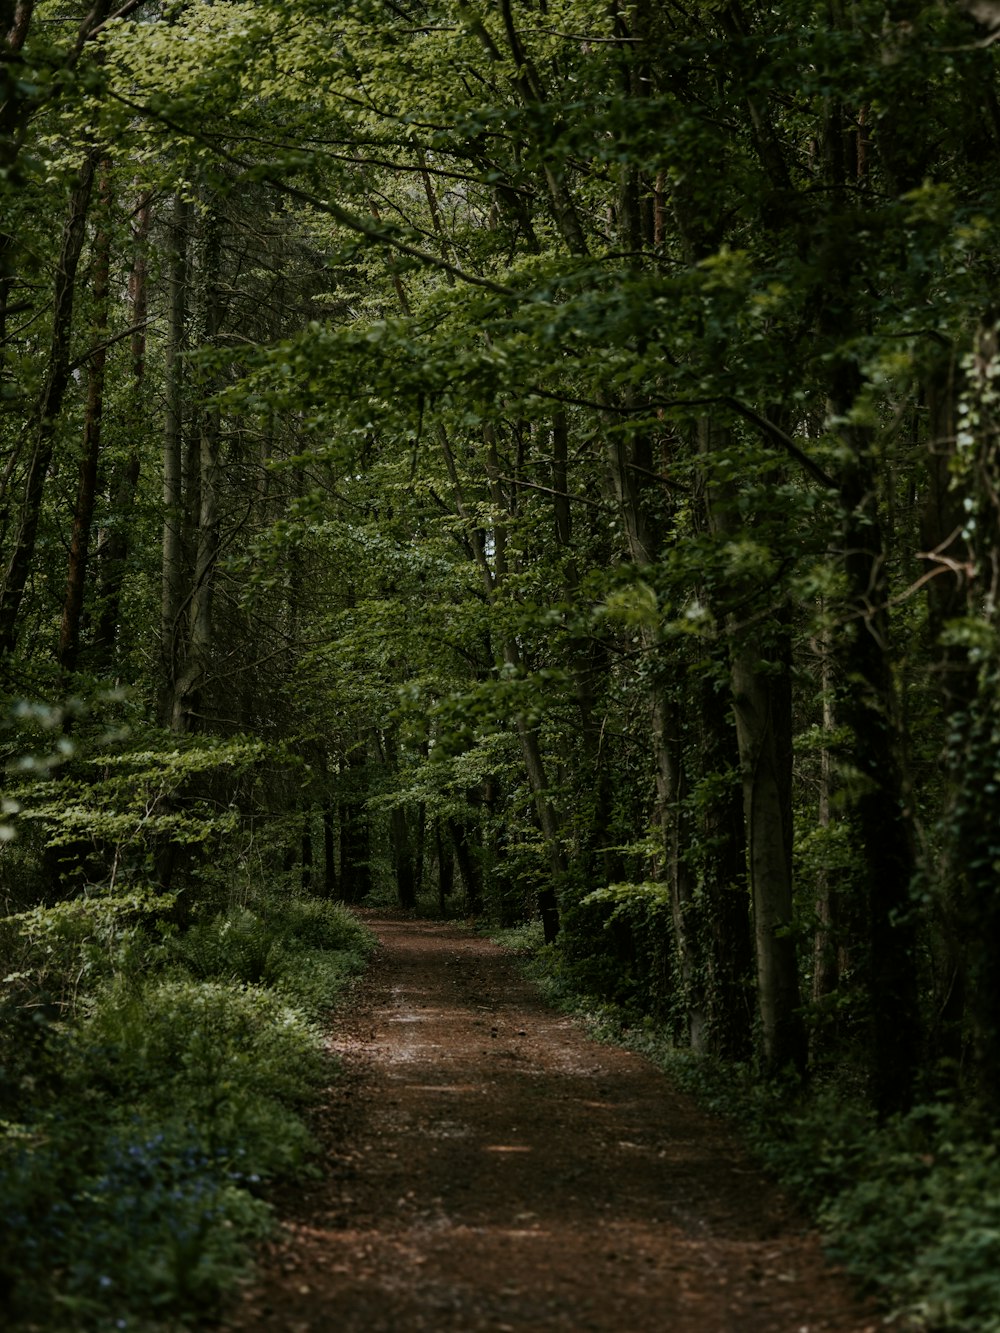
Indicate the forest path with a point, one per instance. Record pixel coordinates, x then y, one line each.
489 1167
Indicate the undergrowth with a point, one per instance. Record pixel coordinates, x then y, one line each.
151 1084
910 1207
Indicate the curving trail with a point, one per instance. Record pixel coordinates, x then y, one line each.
489 1167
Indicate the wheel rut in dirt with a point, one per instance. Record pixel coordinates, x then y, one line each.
489 1167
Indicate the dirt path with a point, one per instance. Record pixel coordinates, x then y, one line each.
491 1168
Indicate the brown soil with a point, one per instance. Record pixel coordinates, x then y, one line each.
489 1167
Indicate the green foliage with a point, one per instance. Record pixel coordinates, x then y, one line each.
912 1207
531 386
525 940
122 801
72 945
116 1222
304 948
229 1056
153 1083
234 946
318 923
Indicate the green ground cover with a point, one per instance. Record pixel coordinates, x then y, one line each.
152 1083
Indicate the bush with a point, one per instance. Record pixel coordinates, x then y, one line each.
312 979
230 1061
68 948
124 1222
150 1087
234 946
306 949
920 1218
319 923
525 939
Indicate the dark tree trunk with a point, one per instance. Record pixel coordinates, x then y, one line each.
402 855
355 830
172 594
469 867
307 852
49 406
329 849
446 865
760 673
114 548
86 494
722 841
881 816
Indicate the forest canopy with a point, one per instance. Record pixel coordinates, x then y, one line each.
540 455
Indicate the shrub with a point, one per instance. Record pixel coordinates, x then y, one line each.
305 949
146 1101
233 946
119 1222
69 947
228 1059
319 923
312 979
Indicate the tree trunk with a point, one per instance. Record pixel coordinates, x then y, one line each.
355 830
329 849
630 470
172 595
202 500
113 550
721 839
468 865
867 706
549 822
307 852
763 707
760 676
47 412
446 865
86 494
402 855
966 561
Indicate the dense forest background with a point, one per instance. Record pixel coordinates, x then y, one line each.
538 456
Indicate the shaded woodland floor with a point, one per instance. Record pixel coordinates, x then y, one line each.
487 1166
